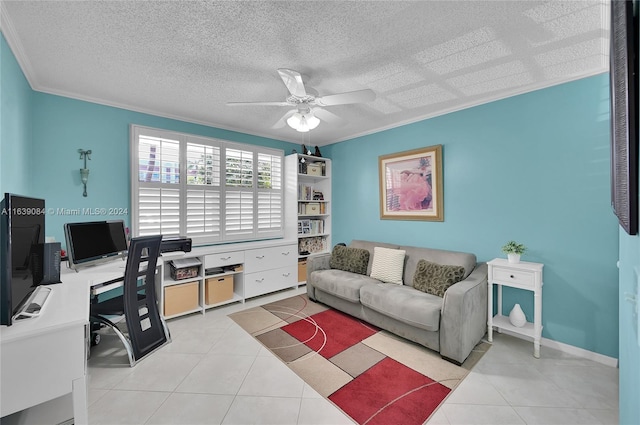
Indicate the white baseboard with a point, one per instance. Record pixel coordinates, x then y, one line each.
580 352
573 350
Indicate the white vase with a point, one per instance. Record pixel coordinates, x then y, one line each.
517 317
513 258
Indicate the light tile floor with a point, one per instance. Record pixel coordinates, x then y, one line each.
213 372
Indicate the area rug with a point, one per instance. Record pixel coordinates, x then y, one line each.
372 375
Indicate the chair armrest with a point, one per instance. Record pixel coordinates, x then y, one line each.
463 320
316 262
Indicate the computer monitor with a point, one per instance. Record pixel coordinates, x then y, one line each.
91 243
22 227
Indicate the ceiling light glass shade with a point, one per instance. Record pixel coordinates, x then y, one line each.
303 122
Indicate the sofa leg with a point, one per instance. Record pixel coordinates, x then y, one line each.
455 362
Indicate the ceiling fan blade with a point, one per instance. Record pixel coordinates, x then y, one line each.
358 96
328 117
283 121
258 104
293 80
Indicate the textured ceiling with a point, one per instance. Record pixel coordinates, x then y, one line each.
187 59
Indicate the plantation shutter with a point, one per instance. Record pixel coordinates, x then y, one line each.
207 189
270 194
203 192
239 193
159 191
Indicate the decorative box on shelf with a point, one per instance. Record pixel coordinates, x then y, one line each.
185 268
218 289
314 169
180 298
312 208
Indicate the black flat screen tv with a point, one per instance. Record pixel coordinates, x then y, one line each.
93 242
22 221
623 74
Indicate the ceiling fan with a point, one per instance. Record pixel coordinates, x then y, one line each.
308 106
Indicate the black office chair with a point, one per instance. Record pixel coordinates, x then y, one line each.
147 330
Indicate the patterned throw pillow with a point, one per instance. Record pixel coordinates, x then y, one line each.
352 260
388 265
435 278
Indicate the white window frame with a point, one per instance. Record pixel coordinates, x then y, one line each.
266 204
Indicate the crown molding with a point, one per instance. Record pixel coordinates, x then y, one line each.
483 101
10 34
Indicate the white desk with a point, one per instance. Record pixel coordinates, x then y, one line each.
45 357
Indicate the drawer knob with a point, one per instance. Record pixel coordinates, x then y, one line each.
259 257
286 274
224 258
285 253
512 276
260 280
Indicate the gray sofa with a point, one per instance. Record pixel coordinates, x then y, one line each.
451 325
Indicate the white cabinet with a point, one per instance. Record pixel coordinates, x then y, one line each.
270 269
522 275
251 269
308 206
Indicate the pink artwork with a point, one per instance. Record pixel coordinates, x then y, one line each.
411 185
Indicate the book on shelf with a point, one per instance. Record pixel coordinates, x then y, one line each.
310 227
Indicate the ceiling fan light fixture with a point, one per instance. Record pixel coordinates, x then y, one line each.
312 121
303 122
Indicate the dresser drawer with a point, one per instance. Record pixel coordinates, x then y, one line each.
270 258
521 278
223 259
270 281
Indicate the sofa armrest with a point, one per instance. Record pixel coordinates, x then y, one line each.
463 320
315 262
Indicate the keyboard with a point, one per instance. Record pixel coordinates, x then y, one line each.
34 304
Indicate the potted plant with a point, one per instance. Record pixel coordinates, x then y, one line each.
514 250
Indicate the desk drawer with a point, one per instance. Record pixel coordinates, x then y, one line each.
270 258
223 259
519 277
264 282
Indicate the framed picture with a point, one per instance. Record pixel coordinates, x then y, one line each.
411 185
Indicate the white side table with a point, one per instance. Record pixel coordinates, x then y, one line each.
522 275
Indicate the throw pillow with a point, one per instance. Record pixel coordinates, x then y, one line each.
352 260
435 278
388 265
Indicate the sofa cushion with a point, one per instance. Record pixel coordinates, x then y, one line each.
388 265
345 285
368 245
353 260
435 278
403 303
438 256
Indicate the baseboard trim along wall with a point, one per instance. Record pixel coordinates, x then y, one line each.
573 350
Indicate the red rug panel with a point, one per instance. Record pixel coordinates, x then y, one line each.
330 332
390 393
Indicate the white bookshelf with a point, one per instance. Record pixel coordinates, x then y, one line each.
308 205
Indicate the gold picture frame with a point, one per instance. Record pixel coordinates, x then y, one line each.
411 185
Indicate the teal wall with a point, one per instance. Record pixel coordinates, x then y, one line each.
534 168
629 343
15 126
61 126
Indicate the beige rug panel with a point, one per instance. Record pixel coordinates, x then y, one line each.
322 375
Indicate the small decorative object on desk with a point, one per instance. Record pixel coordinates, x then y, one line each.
514 250
517 317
